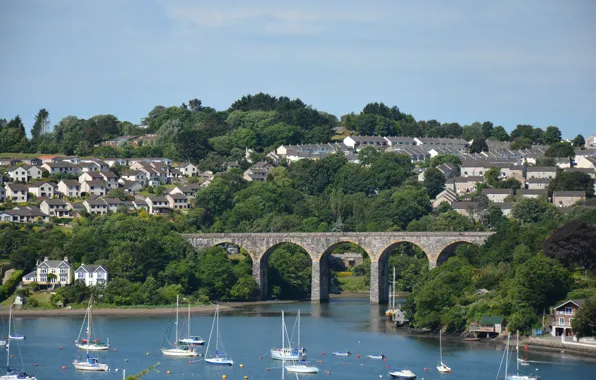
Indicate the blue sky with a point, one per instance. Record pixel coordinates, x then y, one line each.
510 62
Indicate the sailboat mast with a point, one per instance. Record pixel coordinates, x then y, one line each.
188 321
298 329
217 329
8 342
90 322
177 297
283 355
507 355
393 295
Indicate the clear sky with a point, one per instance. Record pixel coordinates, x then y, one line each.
507 61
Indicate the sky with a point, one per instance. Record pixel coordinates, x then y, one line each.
511 62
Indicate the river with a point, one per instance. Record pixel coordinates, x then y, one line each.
343 324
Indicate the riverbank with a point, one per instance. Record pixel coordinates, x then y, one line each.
146 311
546 345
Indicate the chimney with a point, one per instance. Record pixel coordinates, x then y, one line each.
65 258
45 258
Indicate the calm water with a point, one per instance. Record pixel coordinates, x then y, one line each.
342 324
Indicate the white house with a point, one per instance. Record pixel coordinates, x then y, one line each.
55 207
70 188
61 269
134 176
189 191
96 206
177 201
16 192
187 169
18 173
158 205
359 142
92 275
94 187
61 168
110 178
42 189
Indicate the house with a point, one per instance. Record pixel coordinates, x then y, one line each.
447 195
77 208
18 173
465 185
27 214
506 208
465 208
523 193
585 162
158 205
541 172
489 325
562 316
55 207
110 178
416 154
89 166
70 188
60 269
16 192
349 260
131 187
568 198
538 183
43 189
61 168
140 204
449 170
177 201
591 142
358 142
115 161
113 203
189 191
458 144
134 176
96 206
497 195
474 168
255 174
34 172
92 275
99 188
589 171
19 300
397 140
90 176
119 141
187 169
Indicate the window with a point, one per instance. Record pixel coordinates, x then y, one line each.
561 321
80 275
44 270
62 278
62 270
568 310
44 278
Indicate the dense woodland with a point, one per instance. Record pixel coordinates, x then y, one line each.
536 259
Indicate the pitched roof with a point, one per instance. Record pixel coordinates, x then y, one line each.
54 202
89 267
497 191
177 196
96 183
569 194
542 168
71 182
16 187
490 320
472 178
157 199
96 202
577 302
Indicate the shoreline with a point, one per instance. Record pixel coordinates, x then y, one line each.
145 311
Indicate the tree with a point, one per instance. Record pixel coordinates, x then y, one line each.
487 129
532 210
492 177
574 243
572 181
500 133
478 146
434 181
195 105
521 143
552 135
391 170
560 149
584 322
522 130
42 121
119 193
579 141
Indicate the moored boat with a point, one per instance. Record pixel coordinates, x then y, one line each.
11 373
177 349
342 353
90 362
221 357
377 357
404 374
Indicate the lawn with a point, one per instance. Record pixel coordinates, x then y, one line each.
354 284
19 155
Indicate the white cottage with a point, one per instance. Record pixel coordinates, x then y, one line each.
92 275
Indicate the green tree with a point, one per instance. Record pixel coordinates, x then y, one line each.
532 210
478 146
521 143
579 141
434 181
574 243
584 322
500 133
42 122
560 149
552 135
391 170
572 181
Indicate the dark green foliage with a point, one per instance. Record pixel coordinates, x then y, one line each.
560 149
289 273
434 182
584 322
10 285
574 243
500 133
478 145
579 141
552 135
572 181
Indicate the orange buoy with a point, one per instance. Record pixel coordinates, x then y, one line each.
358 356
328 372
114 350
190 362
426 369
168 372
63 367
36 364
60 347
268 369
323 353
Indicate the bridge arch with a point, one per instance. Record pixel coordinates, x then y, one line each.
447 251
263 265
320 275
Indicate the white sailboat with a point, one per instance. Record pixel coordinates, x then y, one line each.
190 339
392 308
517 376
12 374
179 349
89 362
13 335
221 357
89 343
298 366
442 367
289 353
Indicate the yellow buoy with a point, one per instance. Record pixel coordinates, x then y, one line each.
147 353
245 377
168 372
224 377
241 365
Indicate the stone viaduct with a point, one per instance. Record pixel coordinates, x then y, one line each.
436 245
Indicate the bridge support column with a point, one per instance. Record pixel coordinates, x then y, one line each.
379 290
319 291
374 282
259 273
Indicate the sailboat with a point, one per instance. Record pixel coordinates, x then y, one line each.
13 335
298 366
89 343
12 374
442 367
177 348
289 353
517 376
221 357
190 339
89 362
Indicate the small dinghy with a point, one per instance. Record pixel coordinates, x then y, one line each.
404 374
377 357
342 353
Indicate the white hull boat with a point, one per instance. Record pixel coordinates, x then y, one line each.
17 376
342 353
376 357
192 341
179 352
16 337
219 361
404 374
287 354
90 363
442 367
93 346
302 368
519 361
